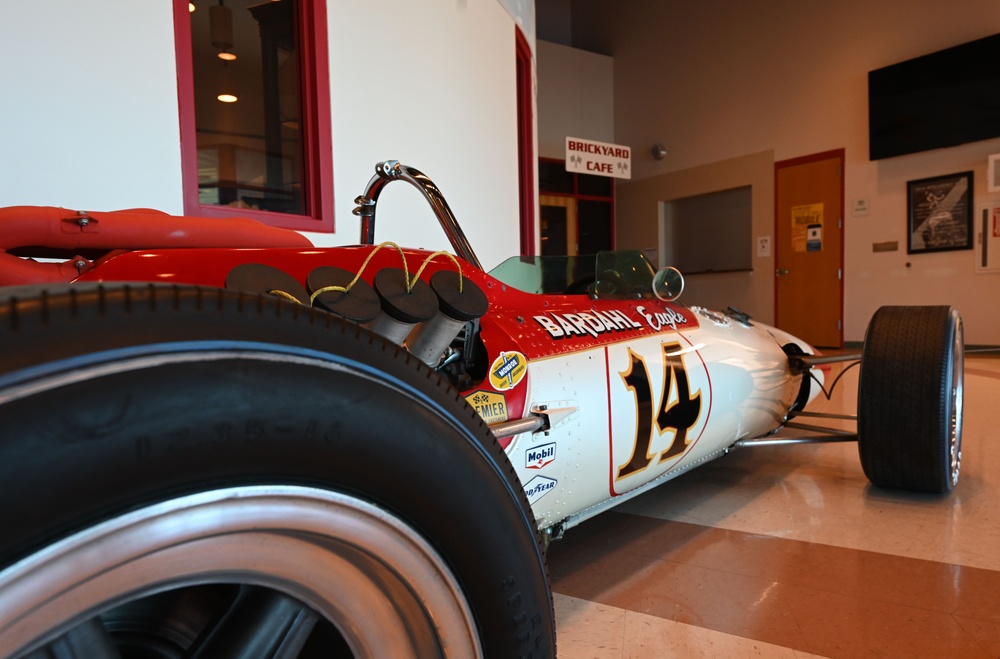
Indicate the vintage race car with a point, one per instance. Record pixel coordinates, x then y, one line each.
219 440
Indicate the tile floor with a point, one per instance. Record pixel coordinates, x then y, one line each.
789 552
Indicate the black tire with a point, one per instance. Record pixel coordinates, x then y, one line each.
204 466
910 395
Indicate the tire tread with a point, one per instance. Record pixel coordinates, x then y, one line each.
903 404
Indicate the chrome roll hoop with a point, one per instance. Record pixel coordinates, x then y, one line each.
392 170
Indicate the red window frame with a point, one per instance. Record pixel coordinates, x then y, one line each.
316 124
525 142
579 196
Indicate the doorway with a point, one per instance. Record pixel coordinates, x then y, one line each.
809 248
558 225
577 210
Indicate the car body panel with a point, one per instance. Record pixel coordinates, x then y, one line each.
636 391
646 409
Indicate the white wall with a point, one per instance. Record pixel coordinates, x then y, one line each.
431 84
575 97
724 79
88 105
89 109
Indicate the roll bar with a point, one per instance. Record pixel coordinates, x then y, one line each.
391 170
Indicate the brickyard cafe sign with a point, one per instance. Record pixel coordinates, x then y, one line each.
600 158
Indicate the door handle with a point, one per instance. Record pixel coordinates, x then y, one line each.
781 272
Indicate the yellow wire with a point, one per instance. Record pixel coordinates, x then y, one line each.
420 271
406 273
280 293
326 289
410 282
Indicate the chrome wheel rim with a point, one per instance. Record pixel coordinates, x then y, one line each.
957 398
371 575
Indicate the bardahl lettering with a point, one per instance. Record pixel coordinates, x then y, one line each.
586 323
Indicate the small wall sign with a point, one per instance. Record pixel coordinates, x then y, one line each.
598 158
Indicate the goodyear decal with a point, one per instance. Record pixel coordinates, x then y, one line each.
538 457
490 405
508 370
538 487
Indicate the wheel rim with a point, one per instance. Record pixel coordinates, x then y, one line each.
369 574
957 398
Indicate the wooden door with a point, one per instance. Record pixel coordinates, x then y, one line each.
809 248
559 225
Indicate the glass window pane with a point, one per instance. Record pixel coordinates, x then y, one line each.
553 177
597 186
248 105
553 230
595 226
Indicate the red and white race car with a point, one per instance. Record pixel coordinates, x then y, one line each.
219 440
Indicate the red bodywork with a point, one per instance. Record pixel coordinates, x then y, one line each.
50 231
202 251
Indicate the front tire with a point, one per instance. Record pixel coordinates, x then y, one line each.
910 396
205 472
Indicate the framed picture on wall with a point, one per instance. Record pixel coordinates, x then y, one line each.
939 213
993 173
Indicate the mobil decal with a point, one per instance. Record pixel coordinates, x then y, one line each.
586 323
538 487
540 456
508 370
491 406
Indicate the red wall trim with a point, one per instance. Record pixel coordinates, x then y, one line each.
316 124
525 142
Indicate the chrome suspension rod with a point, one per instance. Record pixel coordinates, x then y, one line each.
391 170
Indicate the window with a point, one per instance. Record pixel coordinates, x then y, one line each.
253 82
578 210
709 232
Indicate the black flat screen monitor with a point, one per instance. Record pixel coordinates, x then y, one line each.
943 99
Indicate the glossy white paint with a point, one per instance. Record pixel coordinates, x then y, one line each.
644 410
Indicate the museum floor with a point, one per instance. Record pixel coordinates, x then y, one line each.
789 552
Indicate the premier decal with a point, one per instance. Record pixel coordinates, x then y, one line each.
660 319
491 406
586 323
539 456
538 487
508 370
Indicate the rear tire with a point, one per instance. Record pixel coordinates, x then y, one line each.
910 396
201 467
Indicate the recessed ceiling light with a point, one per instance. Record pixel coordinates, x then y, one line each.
226 55
227 98
191 6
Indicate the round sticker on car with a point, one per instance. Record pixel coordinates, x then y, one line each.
508 370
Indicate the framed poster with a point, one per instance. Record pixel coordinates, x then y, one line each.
939 213
993 173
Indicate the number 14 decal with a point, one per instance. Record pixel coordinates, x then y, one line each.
678 416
